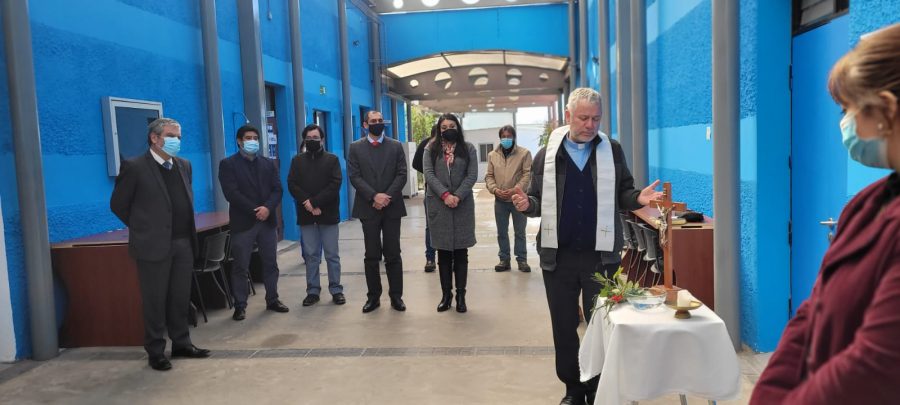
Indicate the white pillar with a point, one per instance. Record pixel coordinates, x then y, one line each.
7 331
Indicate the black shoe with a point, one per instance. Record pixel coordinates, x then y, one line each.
239 314
445 303
591 395
524 267
461 301
502 266
339 299
277 306
430 266
371 305
572 400
397 304
310 299
191 351
159 363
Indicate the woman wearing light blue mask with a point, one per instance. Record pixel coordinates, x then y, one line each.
843 346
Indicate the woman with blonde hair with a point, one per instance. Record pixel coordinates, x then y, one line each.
843 346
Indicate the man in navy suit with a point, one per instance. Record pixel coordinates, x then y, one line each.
252 187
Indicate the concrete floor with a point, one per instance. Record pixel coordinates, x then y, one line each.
501 351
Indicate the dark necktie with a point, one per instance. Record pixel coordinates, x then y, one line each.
167 165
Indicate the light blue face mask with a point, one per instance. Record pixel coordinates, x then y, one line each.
171 146
506 143
251 146
869 152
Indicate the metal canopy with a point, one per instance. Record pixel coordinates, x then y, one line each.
480 80
407 6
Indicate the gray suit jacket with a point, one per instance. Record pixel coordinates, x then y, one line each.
451 228
142 203
377 170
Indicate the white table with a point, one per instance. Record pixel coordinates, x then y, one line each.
644 355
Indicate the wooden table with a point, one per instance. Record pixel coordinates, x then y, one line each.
692 254
100 278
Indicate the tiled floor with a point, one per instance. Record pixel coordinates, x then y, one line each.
499 352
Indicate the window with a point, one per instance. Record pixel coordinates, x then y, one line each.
125 126
320 118
809 14
483 150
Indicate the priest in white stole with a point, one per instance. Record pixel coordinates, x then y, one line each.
580 180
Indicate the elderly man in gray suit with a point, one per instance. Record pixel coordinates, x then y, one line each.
153 198
376 166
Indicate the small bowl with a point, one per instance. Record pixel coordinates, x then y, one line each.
683 312
646 299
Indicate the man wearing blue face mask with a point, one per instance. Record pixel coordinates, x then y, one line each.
153 198
252 187
509 166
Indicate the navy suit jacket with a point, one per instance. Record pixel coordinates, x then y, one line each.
244 194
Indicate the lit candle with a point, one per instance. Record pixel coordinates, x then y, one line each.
684 298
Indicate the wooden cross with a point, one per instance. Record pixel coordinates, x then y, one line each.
666 206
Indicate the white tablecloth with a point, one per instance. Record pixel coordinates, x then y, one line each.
644 355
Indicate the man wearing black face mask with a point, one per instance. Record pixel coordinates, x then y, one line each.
315 182
376 166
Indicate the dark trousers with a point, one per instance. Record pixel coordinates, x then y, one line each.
572 277
265 236
453 263
382 238
166 297
429 250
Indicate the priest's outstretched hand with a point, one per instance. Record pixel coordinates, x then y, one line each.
520 199
649 194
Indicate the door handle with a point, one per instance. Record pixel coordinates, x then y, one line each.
831 224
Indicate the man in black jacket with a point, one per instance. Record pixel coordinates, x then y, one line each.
153 198
376 166
417 164
579 181
252 187
315 182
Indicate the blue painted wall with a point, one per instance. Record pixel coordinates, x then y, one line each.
538 29
679 83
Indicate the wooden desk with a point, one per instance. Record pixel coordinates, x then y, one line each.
104 296
692 254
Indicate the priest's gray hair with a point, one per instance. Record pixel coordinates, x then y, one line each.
583 94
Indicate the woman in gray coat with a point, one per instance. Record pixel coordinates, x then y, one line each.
451 169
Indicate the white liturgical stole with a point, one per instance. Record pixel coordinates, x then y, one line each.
606 193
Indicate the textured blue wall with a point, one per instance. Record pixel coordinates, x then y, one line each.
538 29
12 230
679 72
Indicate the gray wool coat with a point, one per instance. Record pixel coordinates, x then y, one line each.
451 228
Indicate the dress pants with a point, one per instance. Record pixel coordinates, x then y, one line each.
166 297
382 238
573 277
316 238
265 236
453 263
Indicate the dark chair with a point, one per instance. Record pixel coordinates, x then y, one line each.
654 252
638 236
213 256
631 245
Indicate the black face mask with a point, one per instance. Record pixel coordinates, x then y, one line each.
313 145
376 129
450 135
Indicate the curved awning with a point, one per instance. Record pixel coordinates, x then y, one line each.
467 81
